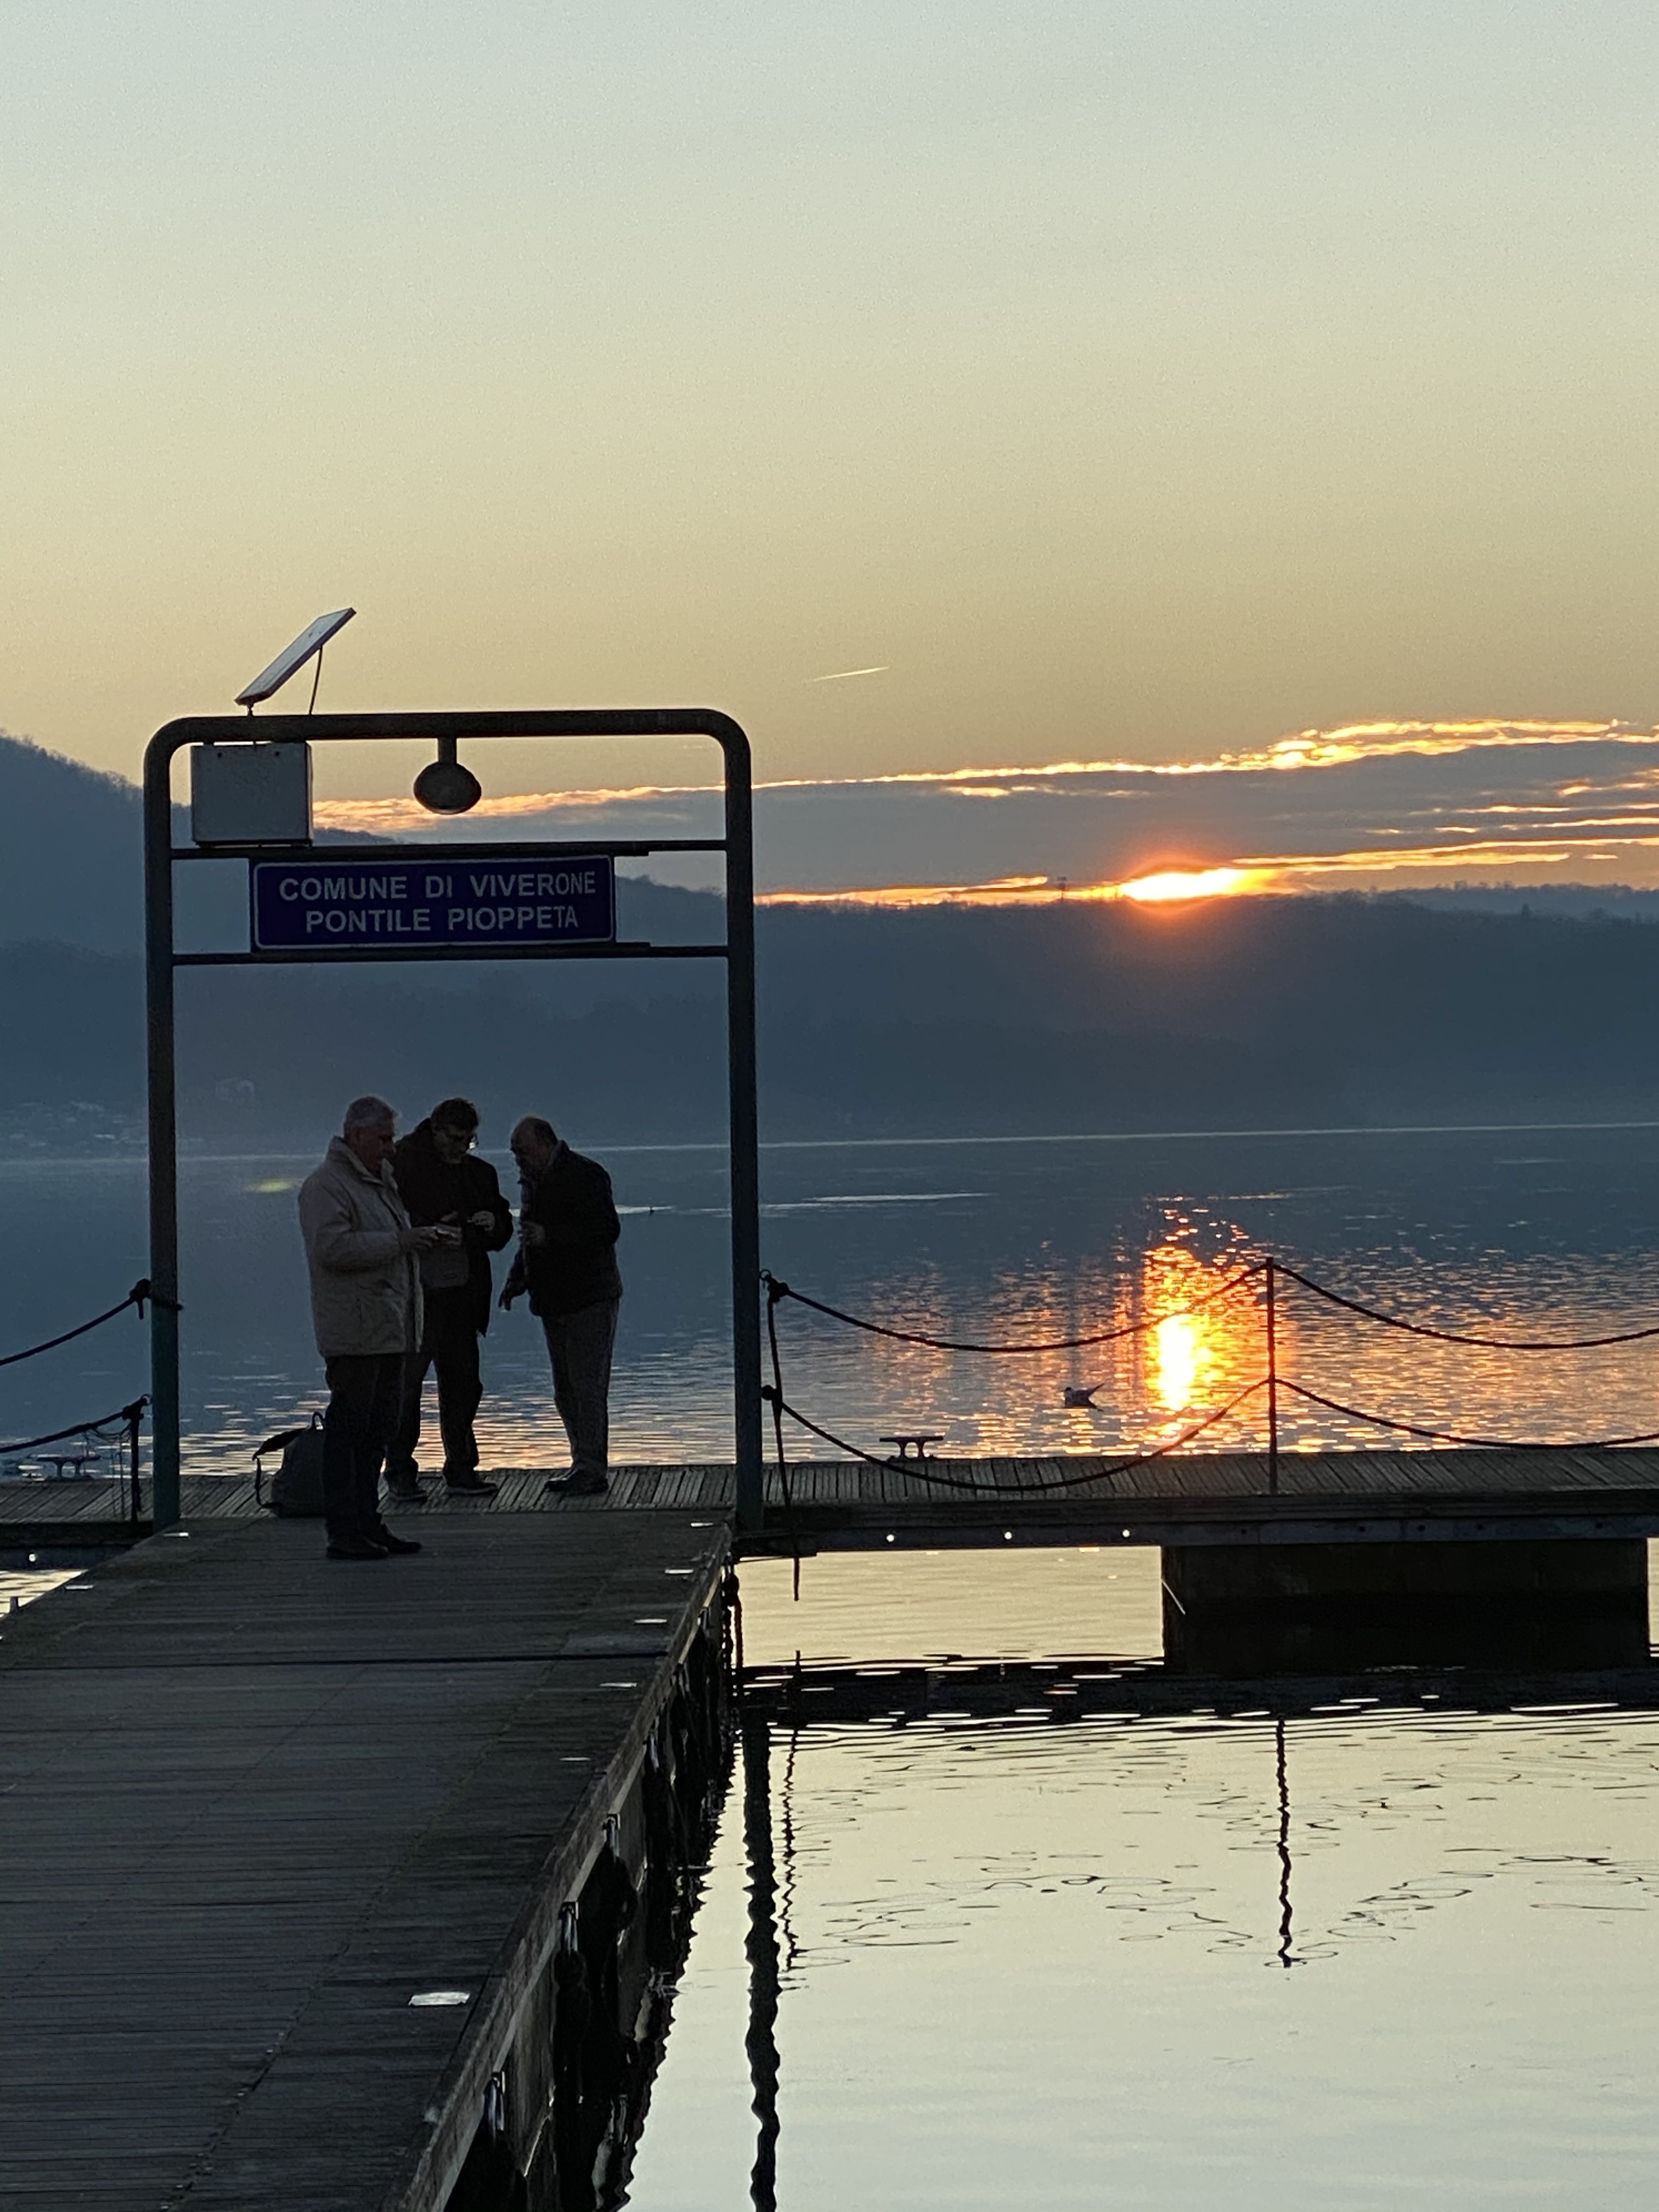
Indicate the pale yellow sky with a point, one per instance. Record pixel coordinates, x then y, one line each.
1124 381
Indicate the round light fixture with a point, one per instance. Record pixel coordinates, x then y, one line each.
444 787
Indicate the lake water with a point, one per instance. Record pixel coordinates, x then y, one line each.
1379 1950
1393 1951
1539 1230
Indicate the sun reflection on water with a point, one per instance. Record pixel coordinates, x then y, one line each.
1046 1244
1184 1318
1206 1347
1181 1361
1174 1351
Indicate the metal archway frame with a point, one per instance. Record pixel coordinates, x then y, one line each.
161 959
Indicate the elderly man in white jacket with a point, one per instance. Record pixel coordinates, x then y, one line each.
366 1303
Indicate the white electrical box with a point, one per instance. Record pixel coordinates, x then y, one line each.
251 794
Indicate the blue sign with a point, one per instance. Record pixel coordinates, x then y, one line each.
401 900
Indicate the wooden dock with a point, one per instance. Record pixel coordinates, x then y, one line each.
257 1804
1190 1498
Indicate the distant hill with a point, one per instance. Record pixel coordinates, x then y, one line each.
71 860
1249 1013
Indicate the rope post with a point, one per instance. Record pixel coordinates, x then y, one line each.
1273 1381
773 1397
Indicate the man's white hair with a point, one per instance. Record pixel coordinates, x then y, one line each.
370 1112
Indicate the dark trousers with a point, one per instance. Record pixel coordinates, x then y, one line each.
579 1344
449 1342
364 1391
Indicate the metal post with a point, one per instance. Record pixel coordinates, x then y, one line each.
163 1147
1273 1384
744 1131
739 951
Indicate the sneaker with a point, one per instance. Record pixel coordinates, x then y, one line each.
355 1547
469 1486
578 1486
388 1542
406 1489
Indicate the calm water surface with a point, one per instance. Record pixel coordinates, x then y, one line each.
1553 1230
1386 1953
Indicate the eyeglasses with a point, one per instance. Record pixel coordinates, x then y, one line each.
468 1138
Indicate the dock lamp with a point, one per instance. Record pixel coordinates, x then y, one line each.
444 787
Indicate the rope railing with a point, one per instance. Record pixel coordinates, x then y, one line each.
141 1294
1257 1271
1272 1273
922 1471
777 1289
121 1426
106 1428
99 1427
1452 1437
1452 1336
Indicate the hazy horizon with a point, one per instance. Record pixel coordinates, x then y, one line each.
933 388
1410 807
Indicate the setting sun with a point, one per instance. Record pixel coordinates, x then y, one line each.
1171 884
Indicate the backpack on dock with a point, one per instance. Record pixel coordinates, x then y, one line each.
296 1488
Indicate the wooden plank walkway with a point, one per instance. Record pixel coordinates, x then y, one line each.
846 1500
254 1802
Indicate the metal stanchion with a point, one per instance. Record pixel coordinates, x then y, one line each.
1273 1383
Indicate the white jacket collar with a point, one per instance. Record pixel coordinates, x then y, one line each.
342 1154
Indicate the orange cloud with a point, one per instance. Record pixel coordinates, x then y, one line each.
387 818
1309 748
1005 891
1166 887
1304 813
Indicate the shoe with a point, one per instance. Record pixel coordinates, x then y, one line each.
405 1489
355 1547
388 1542
469 1485
578 1486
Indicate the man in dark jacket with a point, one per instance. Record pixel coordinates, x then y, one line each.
441 1179
568 1262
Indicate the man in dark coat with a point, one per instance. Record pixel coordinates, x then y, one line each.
568 1262
441 1179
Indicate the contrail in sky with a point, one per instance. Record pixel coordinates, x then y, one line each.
840 675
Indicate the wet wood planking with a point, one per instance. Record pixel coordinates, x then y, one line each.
255 1800
1043 1488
